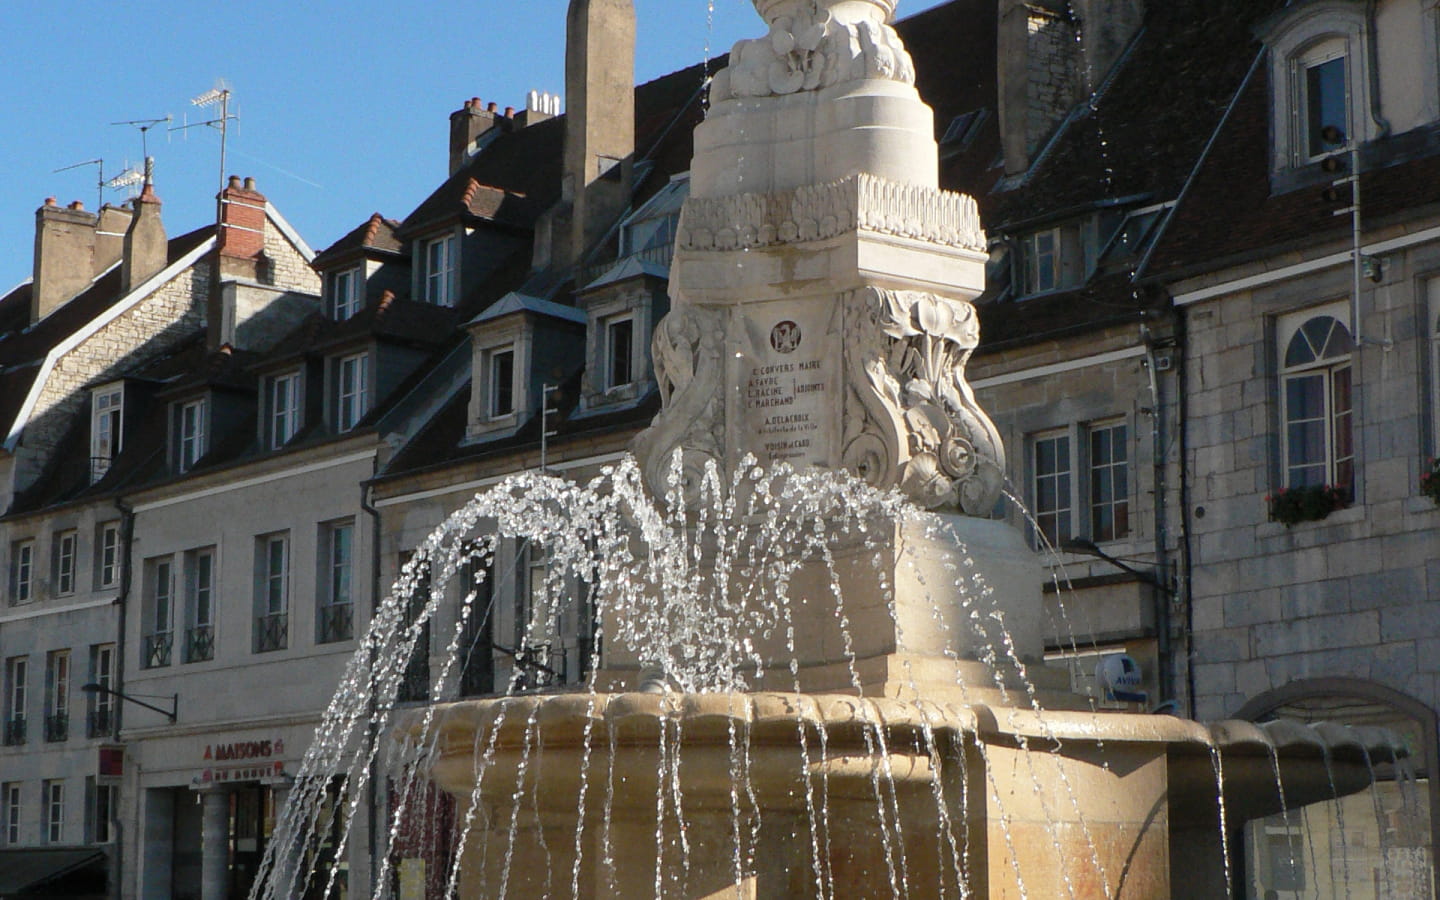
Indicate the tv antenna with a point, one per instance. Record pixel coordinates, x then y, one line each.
144 125
99 165
219 94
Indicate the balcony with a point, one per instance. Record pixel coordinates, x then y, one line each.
100 723
337 623
272 632
200 643
57 728
14 731
155 650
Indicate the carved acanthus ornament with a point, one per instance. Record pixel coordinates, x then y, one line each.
914 422
813 44
815 212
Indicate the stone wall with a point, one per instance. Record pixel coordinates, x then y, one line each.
1353 595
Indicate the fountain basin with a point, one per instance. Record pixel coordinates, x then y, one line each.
785 795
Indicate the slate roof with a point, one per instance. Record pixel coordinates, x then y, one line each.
1233 214
374 235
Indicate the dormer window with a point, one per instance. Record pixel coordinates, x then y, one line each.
1057 258
352 390
345 293
191 434
1321 80
107 408
440 271
619 352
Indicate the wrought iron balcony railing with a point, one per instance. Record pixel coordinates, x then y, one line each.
337 622
200 643
57 727
156 650
272 632
14 731
101 722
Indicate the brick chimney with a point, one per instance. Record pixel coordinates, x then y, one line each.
600 123
241 245
467 126
110 235
64 255
146 250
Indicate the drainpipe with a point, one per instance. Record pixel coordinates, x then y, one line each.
372 813
1162 595
122 600
1182 390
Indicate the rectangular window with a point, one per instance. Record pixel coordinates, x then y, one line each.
108 574
200 605
440 271
619 350
502 383
101 714
10 799
54 824
57 695
192 434
285 413
1109 482
1041 252
22 571
107 407
1326 117
476 648
272 621
1051 488
17 686
345 293
336 613
353 394
158 639
102 808
415 682
66 544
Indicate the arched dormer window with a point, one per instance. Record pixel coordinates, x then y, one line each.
1320 73
1317 401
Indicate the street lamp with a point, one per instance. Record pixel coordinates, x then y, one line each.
171 713
1165 590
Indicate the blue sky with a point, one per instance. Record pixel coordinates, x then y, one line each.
343 107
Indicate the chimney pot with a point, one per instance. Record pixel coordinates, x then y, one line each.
49 201
509 112
76 205
475 102
249 183
235 182
494 107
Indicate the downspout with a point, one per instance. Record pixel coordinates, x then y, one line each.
122 600
372 813
1182 337
1162 588
1372 39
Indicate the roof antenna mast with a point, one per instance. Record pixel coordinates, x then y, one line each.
219 94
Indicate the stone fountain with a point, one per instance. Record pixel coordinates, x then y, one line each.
915 745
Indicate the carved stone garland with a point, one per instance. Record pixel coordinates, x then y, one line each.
912 420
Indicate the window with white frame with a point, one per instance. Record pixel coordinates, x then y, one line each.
106 418
619 351
158 625
1059 257
107 574
10 800
101 712
345 291
190 445
1316 398
57 695
22 571
1108 474
500 379
272 592
336 619
352 394
17 693
65 549
1321 78
440 271
1051 487
284 416
200 605
53 826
